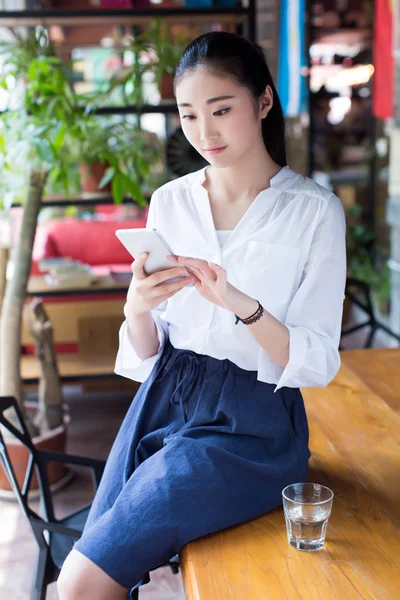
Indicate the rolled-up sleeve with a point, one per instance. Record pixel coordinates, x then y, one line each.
128 363
314 316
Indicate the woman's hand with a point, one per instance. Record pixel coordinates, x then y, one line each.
144 294
211 282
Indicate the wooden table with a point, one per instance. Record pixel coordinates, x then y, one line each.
355 444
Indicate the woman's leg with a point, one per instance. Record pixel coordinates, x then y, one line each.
82 579
188 489
140 436
147 420
233 452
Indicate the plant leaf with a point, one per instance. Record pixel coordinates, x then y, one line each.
43 150
134 190
59 138
107 177
118 188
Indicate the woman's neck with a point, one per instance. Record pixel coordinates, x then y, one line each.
242 182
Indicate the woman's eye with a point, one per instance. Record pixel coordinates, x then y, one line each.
222 112
218 113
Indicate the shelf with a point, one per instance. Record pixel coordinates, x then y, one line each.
350 176
71 366
37 286
328 30
81 199
29 18
342 36
164 108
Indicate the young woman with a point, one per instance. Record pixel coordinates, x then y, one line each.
218 427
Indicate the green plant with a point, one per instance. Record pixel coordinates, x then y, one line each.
364 260
139 151
129 79
44 120
168 50
154 50
32 135
129 153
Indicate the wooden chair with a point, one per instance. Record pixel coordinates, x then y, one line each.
55 537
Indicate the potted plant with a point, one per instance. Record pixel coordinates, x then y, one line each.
364 261
128 80
165 51
36 133
33 132
113 155
139 153
36 130
93 144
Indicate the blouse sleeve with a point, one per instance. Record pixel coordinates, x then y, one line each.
128 364
314 316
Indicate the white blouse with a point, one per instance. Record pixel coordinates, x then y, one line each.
288 251
222 235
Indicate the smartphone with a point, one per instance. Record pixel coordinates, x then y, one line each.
137 241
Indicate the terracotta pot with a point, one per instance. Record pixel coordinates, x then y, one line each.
54 441
91 175
167 87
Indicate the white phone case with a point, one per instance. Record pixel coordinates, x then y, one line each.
137 241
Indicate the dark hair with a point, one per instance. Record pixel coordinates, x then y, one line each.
234 55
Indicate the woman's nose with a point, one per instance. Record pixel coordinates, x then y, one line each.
208 134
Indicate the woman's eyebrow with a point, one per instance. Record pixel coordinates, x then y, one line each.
210 100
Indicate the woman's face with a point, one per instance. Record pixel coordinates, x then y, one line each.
216 113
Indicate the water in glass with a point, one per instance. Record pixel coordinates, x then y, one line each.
306 526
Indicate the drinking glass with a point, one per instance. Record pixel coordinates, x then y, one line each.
307 507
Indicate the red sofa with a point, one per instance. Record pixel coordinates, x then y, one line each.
92 242
95 243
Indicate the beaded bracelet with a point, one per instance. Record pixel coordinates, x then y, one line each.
253 318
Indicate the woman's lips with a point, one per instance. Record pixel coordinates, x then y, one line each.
215 150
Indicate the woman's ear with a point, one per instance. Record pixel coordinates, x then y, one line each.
266 102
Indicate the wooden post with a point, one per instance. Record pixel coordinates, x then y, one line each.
4 256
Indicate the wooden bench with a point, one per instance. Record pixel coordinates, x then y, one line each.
355 444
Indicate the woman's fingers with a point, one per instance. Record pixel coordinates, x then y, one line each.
170 289
219 271
161 276
138 266
201 269
192 262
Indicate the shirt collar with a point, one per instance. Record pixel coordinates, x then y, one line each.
282 180
256 211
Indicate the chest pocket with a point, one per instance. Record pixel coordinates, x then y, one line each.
269 272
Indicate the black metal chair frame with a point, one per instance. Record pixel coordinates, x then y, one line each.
359 293
66 530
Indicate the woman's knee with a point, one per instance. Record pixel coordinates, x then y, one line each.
81 579
72 581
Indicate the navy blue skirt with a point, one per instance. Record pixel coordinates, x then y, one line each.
203 446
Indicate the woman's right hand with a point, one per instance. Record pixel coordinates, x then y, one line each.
144 294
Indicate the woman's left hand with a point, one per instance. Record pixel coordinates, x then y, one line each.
211 283
210 279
